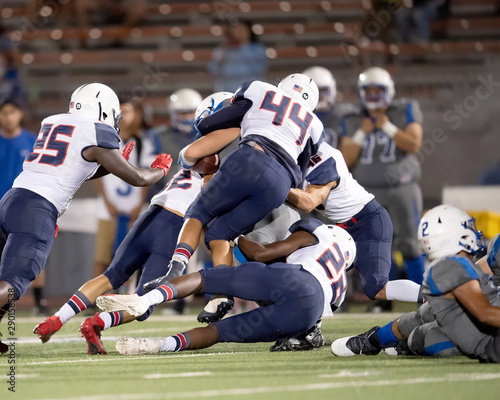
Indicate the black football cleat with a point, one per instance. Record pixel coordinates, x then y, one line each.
176 268
356 345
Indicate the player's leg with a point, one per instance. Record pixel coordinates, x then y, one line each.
430 340
373 236
406 210
296 297
130 255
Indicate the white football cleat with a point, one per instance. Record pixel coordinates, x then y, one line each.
339 347
131 346
131 303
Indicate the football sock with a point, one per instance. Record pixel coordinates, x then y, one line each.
415 268
110 319
403 290
386 336
76 304
175 343
161 294
183 252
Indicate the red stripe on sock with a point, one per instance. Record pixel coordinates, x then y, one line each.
184 252
182 339
170 292
116 314
80 304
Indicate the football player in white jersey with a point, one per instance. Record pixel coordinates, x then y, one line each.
70 149
347 204
295 294
279 134
150 243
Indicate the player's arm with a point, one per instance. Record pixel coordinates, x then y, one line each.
483 264
352 147
308 199
209 144
263 253
473 299
112 161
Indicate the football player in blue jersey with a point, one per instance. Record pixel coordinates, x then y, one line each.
385 135
70 149
294 294
462 313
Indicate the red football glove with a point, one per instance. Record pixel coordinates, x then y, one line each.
162 161
127 150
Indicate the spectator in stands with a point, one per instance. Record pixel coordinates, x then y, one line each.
15 144
119 203
414 21
11 87
379 23
239 59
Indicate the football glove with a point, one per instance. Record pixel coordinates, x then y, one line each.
162 161
127 150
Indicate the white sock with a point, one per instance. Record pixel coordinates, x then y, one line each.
154 297
65 313
107 319
168 344
403 290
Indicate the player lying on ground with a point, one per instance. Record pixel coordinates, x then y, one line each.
150 243
279 131
70 149
462 313
296 293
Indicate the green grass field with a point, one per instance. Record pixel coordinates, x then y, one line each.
61 369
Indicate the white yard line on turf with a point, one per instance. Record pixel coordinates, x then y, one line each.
179 375
292 388
96 359
346 373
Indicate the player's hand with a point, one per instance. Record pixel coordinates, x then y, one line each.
127 150
162 161
367 125
380 120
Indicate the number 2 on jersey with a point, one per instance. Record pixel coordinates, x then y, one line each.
47 140
280 110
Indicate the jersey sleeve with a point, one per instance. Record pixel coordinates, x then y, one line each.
413 113
106 136
307 224
230 116
493 258
448 274
323 172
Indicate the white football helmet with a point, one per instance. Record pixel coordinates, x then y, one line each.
209 105
446 230
183 104
302 89
346 243
96 101
376 77
326 84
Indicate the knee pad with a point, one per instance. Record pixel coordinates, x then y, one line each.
416 341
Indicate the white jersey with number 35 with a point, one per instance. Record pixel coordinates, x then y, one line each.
56 167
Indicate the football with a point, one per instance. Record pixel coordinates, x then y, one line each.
207 165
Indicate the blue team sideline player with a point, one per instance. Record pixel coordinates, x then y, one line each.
381 141
70 149
297 293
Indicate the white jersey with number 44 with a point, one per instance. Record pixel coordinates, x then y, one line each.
56 168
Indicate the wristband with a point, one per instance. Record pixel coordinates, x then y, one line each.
183 162
390 129
359 137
